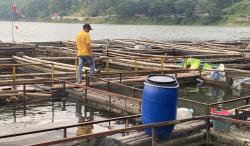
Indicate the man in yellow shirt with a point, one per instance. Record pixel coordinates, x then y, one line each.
84 51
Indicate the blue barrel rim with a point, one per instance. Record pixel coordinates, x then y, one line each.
167 87
159 80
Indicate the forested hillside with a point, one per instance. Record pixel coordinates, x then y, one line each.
162 11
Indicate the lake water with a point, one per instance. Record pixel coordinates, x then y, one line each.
209 94
37 31
47 114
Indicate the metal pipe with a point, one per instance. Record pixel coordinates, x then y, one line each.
119 84
69 126
193 101
231 100
145 72
228 120
104 92
107 133
64 132
154 136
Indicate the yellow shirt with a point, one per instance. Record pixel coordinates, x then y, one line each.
82 39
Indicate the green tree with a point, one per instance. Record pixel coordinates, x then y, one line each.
186 7
210 7
5 10
39 9
161 7
126 8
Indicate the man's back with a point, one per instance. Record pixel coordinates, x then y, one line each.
82 39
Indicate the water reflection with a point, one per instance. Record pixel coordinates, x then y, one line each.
218 95
209 94
22 110
41 114
83 130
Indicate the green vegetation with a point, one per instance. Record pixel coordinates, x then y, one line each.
188 12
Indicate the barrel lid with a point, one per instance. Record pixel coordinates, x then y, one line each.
161 80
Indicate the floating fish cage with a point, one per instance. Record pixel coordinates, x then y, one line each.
48 71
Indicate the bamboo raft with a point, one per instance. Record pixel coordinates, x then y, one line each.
120 61
42 70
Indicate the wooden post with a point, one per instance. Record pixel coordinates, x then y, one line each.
14 112
174 53
109 96
184 60
14 76
227 78
64 132
86 90
64 88
61 51
86 79
154 136
110 103
200 72
140 106
136 65
208 130
109 124
107 66
52 72
53 113
120 77
126 125
162 65
64 104
247 101
108 85
107 50
46 52
237 114
134 92
24 99
208 109
125 104
36 51
76 71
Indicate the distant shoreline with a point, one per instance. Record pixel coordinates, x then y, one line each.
134 21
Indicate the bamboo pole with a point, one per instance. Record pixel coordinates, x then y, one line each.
31 75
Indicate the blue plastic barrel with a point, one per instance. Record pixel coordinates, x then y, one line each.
159 102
